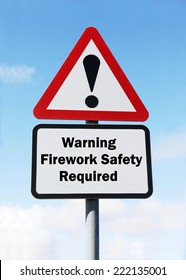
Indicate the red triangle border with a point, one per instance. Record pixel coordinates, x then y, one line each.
40 111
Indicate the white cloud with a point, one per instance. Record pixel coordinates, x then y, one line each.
144 217
148 229
170 146
16 74
38 232
123 248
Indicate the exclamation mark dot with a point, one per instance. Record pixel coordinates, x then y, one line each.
91 64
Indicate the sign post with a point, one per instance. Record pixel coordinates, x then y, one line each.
92 224
91 161
92 229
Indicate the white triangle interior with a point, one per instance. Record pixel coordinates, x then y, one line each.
75 89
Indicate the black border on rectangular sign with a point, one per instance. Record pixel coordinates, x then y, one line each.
90 195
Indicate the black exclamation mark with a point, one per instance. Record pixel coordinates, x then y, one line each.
91 64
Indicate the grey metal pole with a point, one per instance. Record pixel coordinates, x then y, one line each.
92 229
92 224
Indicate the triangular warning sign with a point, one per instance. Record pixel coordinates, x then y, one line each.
90 85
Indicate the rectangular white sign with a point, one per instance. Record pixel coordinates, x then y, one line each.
91 161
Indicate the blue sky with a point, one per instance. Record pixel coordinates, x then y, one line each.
148 40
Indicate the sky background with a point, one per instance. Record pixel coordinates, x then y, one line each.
148 39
